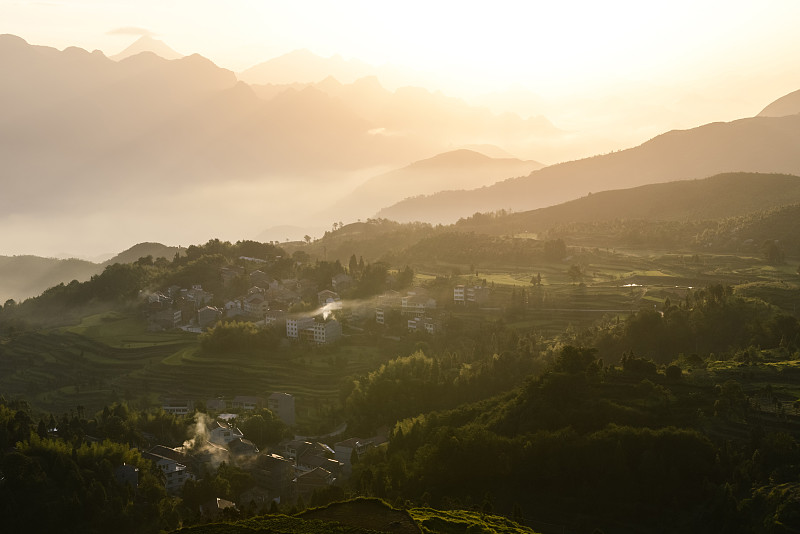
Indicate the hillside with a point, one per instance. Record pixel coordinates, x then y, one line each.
22 277
785 105
366 516
759 144
457 169
716 197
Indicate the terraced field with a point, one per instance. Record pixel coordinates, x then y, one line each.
112 357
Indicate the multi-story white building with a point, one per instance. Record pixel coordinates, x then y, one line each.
470 295
294 325
327 331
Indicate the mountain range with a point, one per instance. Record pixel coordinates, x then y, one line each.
133 140
757 144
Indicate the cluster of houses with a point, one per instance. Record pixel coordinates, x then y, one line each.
280 404
263 304
266 299
416 306
293 469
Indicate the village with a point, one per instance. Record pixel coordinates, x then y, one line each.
293 469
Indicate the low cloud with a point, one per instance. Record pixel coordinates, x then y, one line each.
131 30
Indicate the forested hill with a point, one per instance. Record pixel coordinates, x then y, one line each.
717 197
758 144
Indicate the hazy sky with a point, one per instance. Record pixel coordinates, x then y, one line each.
549 47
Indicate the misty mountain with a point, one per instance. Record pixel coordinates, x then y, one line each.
717 197
22 277
456 169
785 105
145 43
759 144
137 139
303 66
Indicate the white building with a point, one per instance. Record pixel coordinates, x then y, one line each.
222 433
327 331
294 325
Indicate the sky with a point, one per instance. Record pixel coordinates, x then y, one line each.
550 48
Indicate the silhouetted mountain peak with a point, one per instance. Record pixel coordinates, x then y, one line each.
145 43
785 105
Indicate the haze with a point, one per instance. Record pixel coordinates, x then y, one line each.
106 158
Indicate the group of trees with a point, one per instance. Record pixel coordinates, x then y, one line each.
708 320
238 336
586 445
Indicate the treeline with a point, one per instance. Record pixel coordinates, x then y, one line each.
710 320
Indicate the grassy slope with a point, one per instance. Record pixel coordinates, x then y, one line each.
365 516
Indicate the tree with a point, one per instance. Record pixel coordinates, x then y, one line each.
575 273
307 239
773 251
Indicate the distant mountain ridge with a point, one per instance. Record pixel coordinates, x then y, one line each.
146 43
450 170
758 144
22 277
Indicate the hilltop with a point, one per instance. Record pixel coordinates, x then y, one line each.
456 169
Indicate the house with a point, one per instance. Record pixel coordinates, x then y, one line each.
256 305
459 294
247 403
216 405
470 295
359 446
197 295
207 316
308 482
167 318
175 473
223 433
259 278
294 325
341 281
282 405
380 315
230 273
213 509
295 448
423 324
178 407
210 456
241 447
345 449
326 331
276 318
326 296
416 305
275 473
